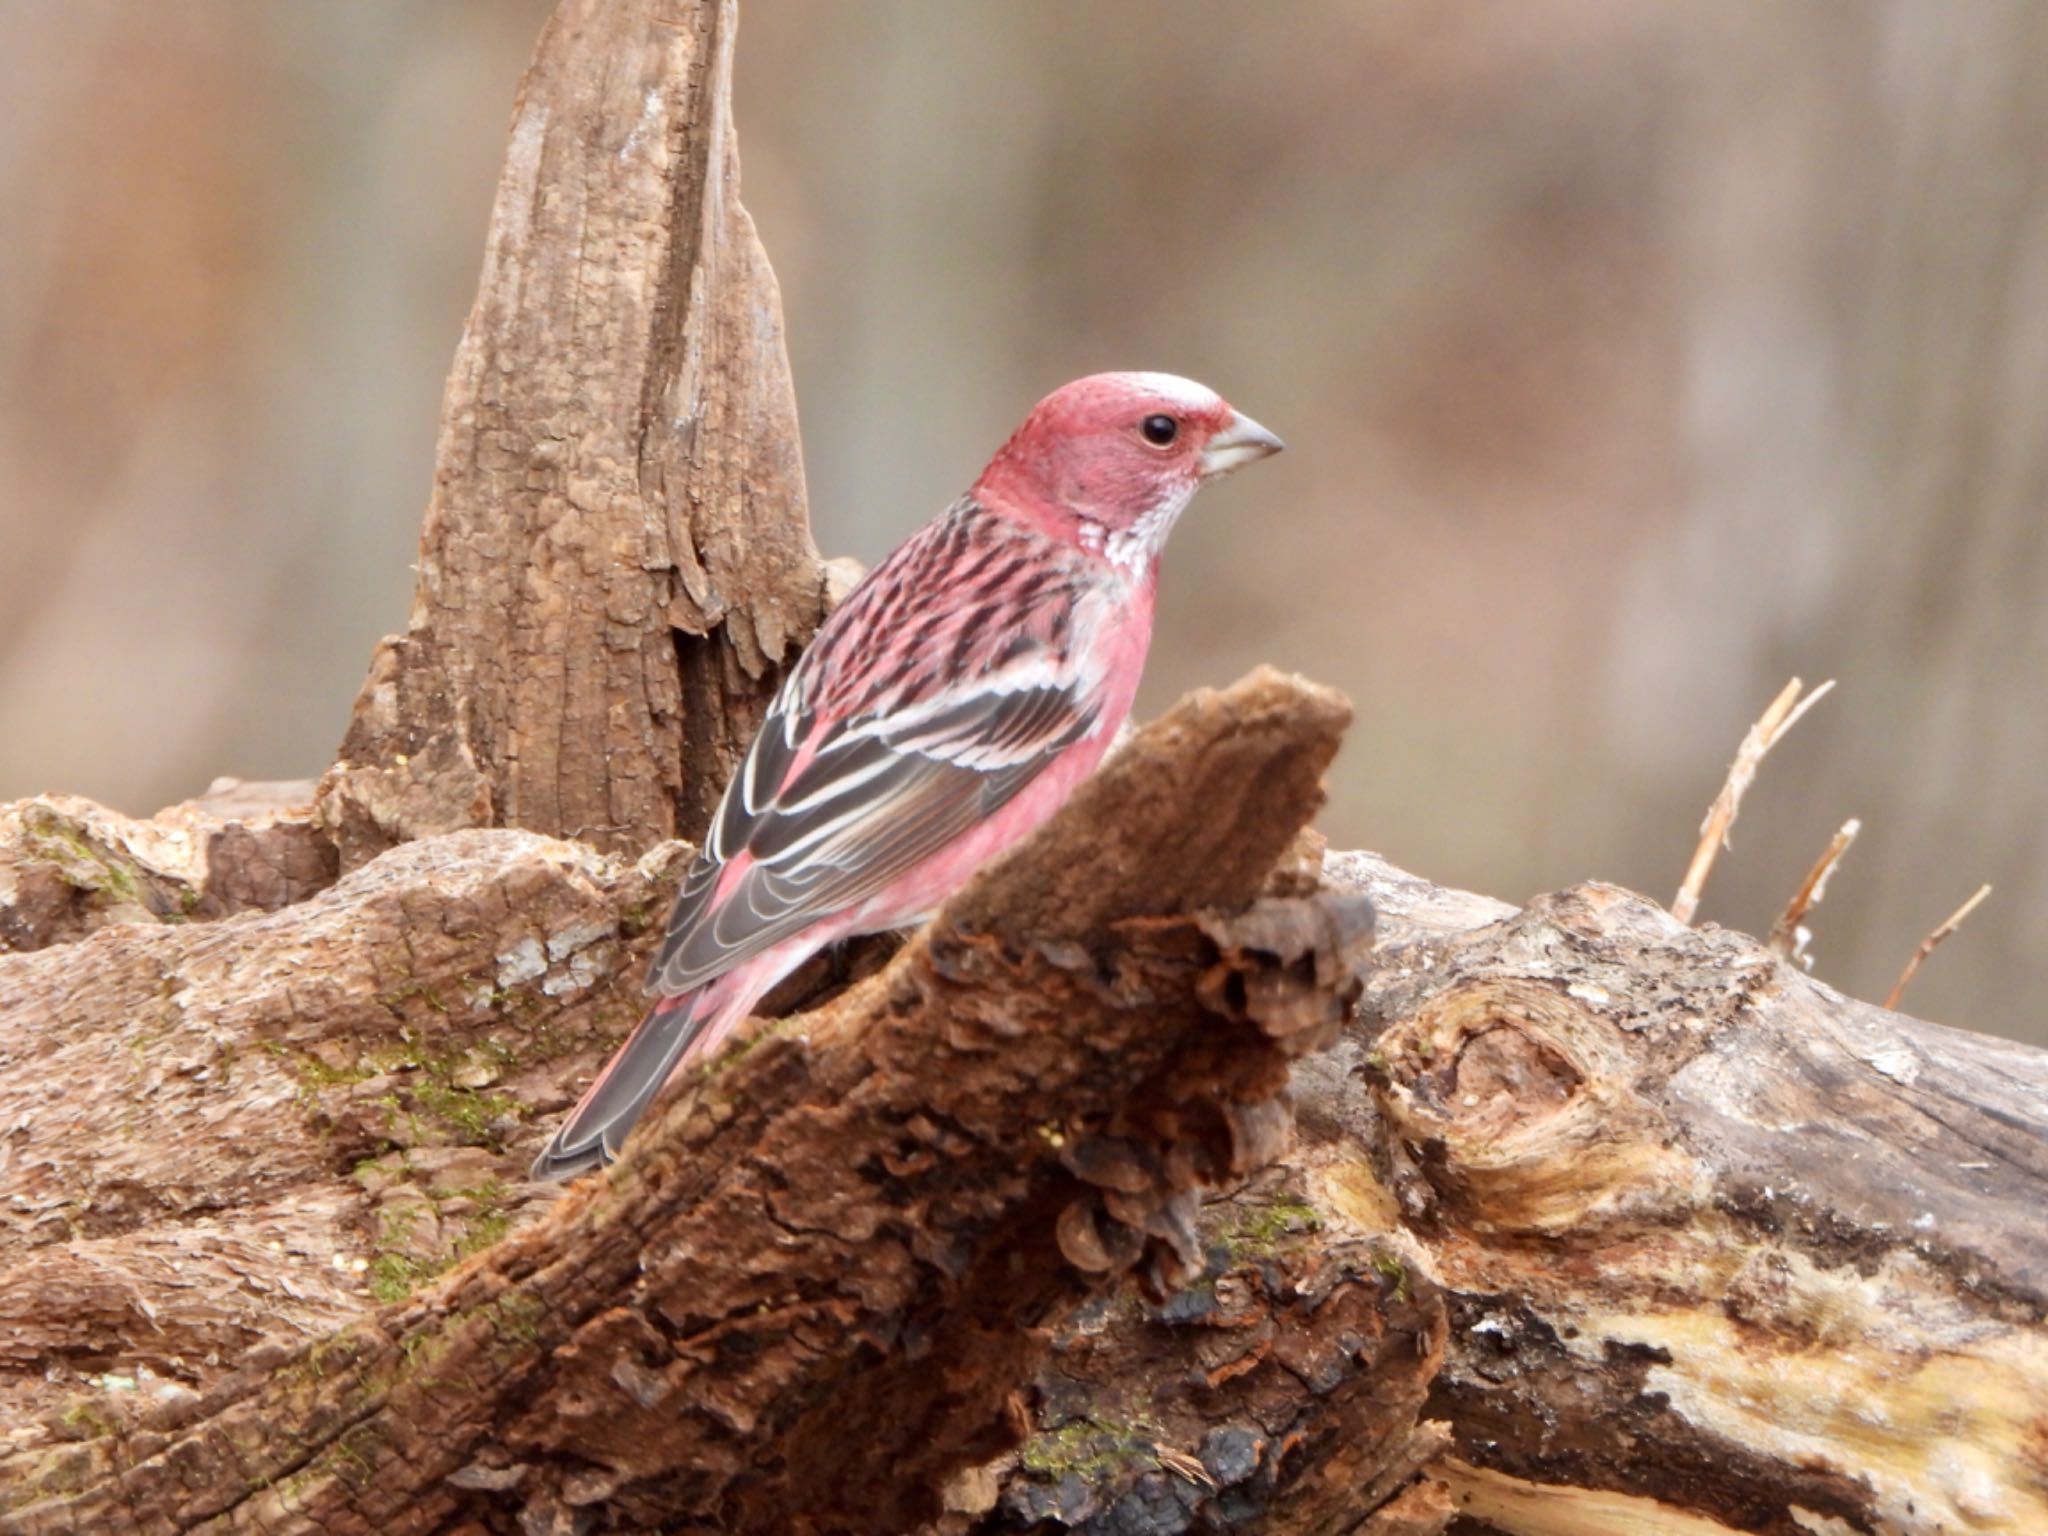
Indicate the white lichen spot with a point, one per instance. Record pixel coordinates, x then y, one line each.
569 940
1819 1525
521 963
650 108
1588 993
1900 1063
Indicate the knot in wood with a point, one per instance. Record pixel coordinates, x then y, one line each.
1523 1102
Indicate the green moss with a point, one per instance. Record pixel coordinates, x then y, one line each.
1387 1267
389 1167
395 1273
1089 1448
431 1105
353 1457
394 1276
312 1367
469 1112
1263 1229
413 991
423 1351
489 1223
312 1072
86 865
88 1419
516 1317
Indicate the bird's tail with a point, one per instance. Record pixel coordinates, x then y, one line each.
590 1137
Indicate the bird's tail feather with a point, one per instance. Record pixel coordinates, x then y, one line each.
591 1136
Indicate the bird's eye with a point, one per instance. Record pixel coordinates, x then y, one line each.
1159 430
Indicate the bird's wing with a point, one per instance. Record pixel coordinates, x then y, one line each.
820 817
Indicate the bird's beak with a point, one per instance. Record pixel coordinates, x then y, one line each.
1241 442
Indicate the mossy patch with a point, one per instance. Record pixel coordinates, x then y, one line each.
83 863
515 1317
88 1419
473 1115
1090 1449
1262 1230
438 1097
1387 1267
397 1268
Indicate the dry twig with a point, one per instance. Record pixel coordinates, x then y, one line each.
1787 937
1928 945
1769 729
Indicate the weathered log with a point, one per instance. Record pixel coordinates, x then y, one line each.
1718 1249
1597 1224
68 866
867 1218
616 559
216 1134
1711 1233
1722 1250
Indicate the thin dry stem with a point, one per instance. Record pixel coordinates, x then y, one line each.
1928 945
1769 729
1787 937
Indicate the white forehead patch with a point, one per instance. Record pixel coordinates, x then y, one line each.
1182 394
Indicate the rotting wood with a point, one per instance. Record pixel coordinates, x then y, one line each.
1709 1232
68 866
616 560
1719 1249
1710 1241
1651 1231
864 1218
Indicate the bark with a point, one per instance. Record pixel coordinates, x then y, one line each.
1595 1223
1719 1249
1712 1233
68 866
869 1217
616 560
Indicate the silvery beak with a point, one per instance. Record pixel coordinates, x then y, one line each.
1240 443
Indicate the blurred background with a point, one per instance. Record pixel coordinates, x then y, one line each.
1632 359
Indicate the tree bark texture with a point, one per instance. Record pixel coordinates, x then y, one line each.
1592 1222
616 560
1560 1219
867 1218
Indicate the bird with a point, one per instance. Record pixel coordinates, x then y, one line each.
948 706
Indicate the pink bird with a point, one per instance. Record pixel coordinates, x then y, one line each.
944 710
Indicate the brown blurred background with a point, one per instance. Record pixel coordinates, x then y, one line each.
1633 359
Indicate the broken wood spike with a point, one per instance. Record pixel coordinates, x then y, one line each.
1768 731
1787 936
1932 942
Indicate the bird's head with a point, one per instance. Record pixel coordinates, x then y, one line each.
1110 461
